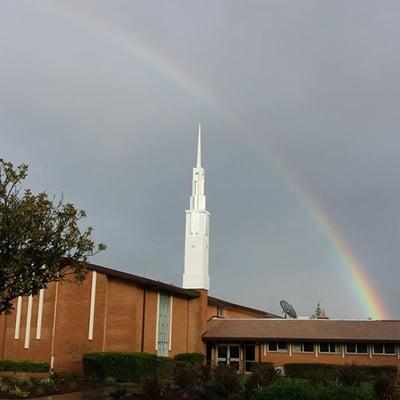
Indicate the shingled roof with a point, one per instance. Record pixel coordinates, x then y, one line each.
306 330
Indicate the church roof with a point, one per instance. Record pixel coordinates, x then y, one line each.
162 286
307 330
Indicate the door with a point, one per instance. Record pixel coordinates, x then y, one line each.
249 357
228 354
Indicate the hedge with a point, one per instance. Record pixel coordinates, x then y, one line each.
329 371
190 357
124 367
24 366
296 389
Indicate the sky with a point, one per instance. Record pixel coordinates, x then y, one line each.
299 105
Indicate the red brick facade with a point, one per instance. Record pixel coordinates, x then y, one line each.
124 319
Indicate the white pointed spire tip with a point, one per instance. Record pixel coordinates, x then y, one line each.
198 165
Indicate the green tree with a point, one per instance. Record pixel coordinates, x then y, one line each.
40 238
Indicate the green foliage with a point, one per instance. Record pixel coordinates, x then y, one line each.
119 393
225 383
24 366
39 238
386 386
297 389
348 374
262 375
191 357
159 383
124 367
4 386
110 381
19 393
314 372
189 380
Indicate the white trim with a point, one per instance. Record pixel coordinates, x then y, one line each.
18 318
157 318
343 349
265 349
53 330
329 352
171 302
370 352
40 315
92 305
316 350
28 322
290 349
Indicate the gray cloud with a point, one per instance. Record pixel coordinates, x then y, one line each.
102 100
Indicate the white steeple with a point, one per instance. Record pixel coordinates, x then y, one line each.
195 274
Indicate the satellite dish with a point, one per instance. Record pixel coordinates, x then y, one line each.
288 309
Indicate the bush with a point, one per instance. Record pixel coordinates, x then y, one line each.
262 375
317 373
189 380
24 366
297 389
124 367
386 386
191 357
225 383
348 374
158 384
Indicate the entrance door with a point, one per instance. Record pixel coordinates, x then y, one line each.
228 354
249 357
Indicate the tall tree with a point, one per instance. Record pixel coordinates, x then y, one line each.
40 238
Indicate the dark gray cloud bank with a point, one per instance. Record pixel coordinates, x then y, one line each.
102 100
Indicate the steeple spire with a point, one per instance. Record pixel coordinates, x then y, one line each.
195 274
198 165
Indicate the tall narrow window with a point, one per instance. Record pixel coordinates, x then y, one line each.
18 318
164 320
92 305
28 323
39 315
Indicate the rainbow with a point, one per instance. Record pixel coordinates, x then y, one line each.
130 43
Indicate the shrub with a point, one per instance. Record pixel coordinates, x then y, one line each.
297 389
386 386
225 383
110 381
262 375
189 380
317 373
119 393
158 384
19 393
124 367
348 374
24 366
191 357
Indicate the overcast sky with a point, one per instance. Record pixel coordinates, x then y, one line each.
299 102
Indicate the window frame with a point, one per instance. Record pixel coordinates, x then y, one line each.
278 350
384 353
339 351
302 347
356 348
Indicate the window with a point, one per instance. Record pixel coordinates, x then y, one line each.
304 347
277 346
164 312
220 312
384 348
228 355
329 348
356 348
249 357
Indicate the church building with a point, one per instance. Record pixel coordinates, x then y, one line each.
118 311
